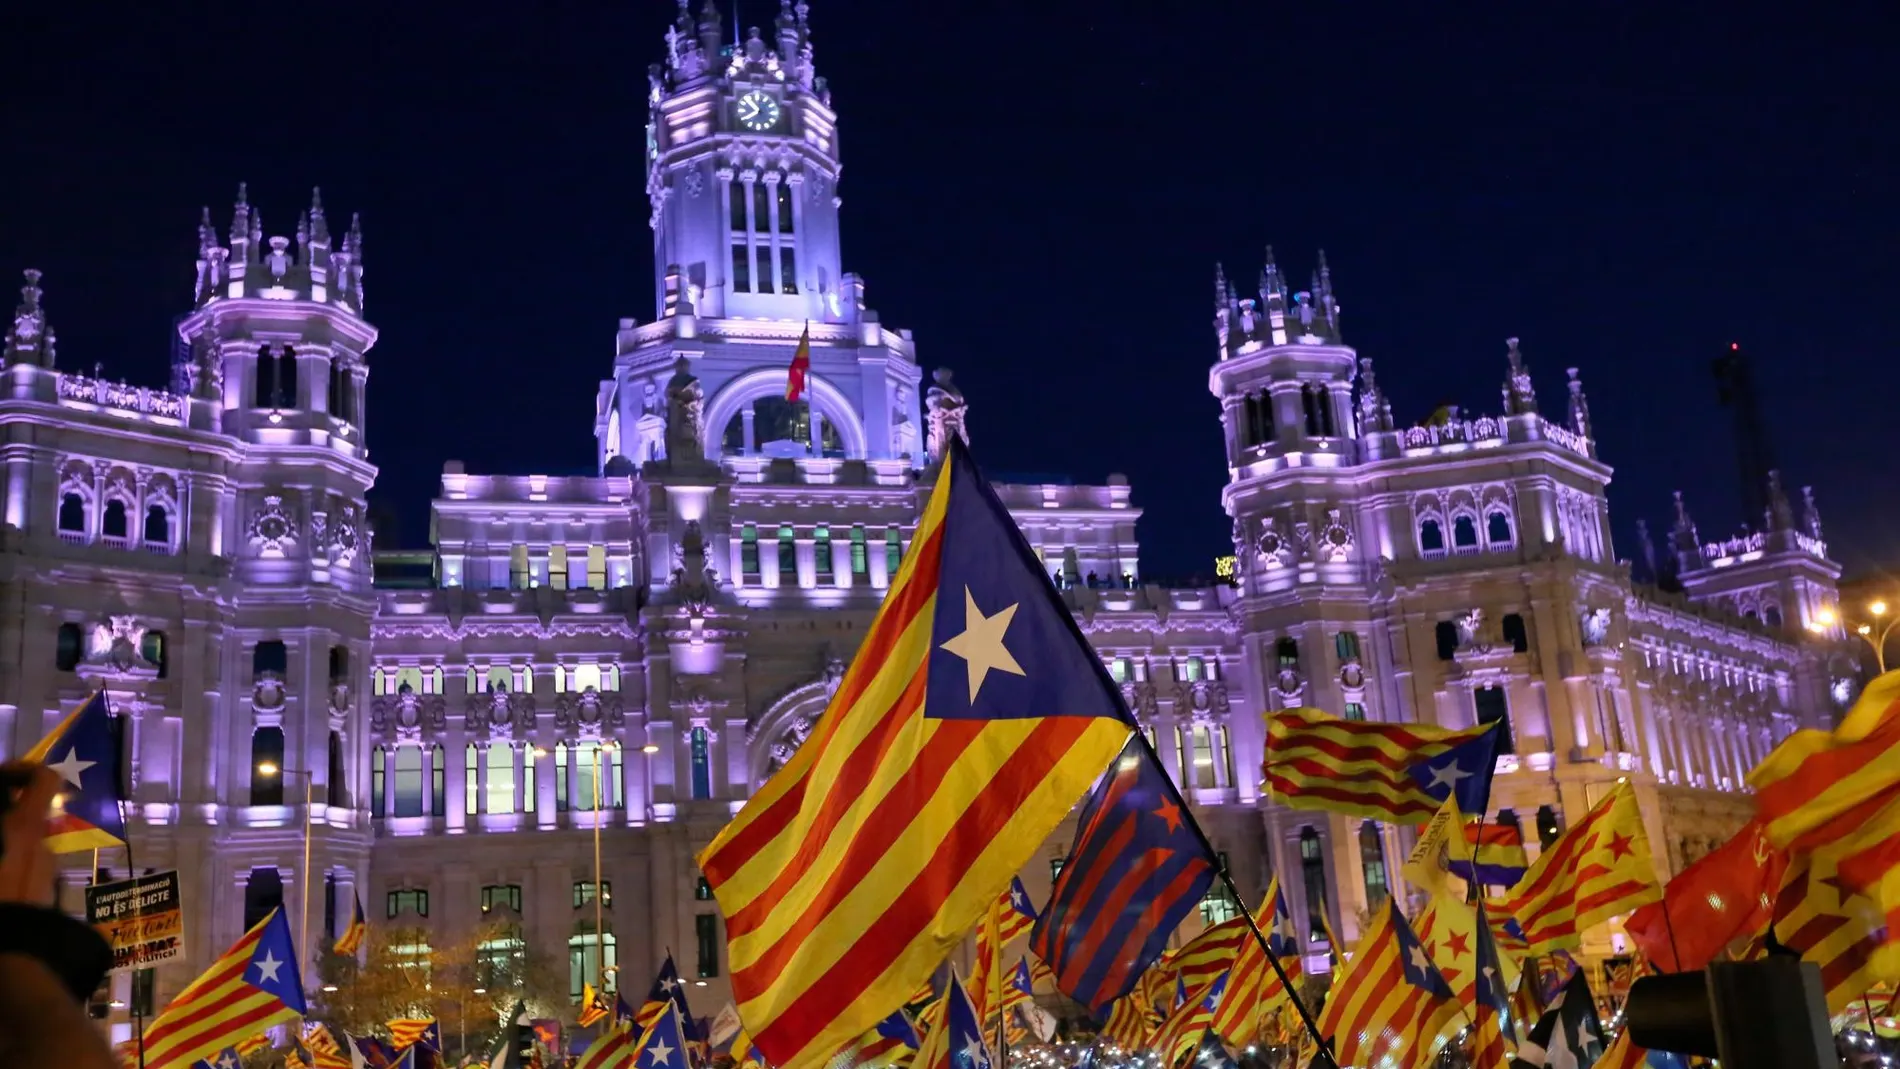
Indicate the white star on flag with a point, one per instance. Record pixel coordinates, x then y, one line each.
1420 962
70 766
981 643
1448 776
267 967
660 1052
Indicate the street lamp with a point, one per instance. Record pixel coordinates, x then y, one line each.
1876 633
269 769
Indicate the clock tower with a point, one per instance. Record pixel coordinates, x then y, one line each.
742 173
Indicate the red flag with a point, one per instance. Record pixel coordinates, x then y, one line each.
1728 894
801 364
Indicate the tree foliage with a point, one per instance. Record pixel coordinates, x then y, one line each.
419 972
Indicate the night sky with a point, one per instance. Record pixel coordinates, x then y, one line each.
1040 190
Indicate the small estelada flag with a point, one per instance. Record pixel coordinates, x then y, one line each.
84 750
801 366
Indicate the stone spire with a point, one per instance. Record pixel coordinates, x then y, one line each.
1323 292
1810 516
1648 547
1223 304
1682 534
30 341
211 258
787 26
319 230
804 71
709 33
1520 397
1780 515
243 241
1579 405
1375 412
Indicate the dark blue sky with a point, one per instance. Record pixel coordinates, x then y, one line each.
1040 190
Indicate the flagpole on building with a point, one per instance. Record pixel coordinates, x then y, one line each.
600 935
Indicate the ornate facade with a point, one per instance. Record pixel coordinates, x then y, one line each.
630 653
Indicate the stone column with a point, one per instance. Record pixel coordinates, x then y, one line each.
807 559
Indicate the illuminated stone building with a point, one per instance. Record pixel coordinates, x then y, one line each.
631 652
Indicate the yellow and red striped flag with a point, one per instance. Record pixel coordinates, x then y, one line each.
249 988
973 718
1596 869
1367 768
594 1007
1815 776
612 1049
351 938
408 1031
1007 920
1844 934
1389 1003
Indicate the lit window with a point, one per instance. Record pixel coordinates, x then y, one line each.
408 781
893 550
584 893
590 958
597 567
1372 862
1219 905
860 561
501 896
787 554
1346 645
519 578
702 764
377 759
501 778
1313 877
557 567
410 901
821 551
706 930
267 748
749 551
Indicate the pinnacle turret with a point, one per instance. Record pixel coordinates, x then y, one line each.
242 240
1520 397
1810 516
307 265
30 339
319 230
1375 412
1579 405
1780 514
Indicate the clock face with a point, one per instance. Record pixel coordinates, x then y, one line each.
758 111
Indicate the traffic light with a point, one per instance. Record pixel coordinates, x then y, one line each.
1766 1014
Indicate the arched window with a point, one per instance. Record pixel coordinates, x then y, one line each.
1771 615
267 751
1372 863
276 378
702 764
69 647
378 775
1464 532
263 892
336 784
1494 708
158 526
270 656
1313 876
501 777
113 522
1497 529
72 513
408 781
1447 635
1515 633
1258 409
1431 537
438 781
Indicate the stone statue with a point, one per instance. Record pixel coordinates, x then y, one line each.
207 369
693 578
684 401
947 410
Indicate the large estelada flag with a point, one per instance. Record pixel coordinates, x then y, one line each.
973 718
84 750
251 987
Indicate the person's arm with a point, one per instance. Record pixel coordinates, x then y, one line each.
44 954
